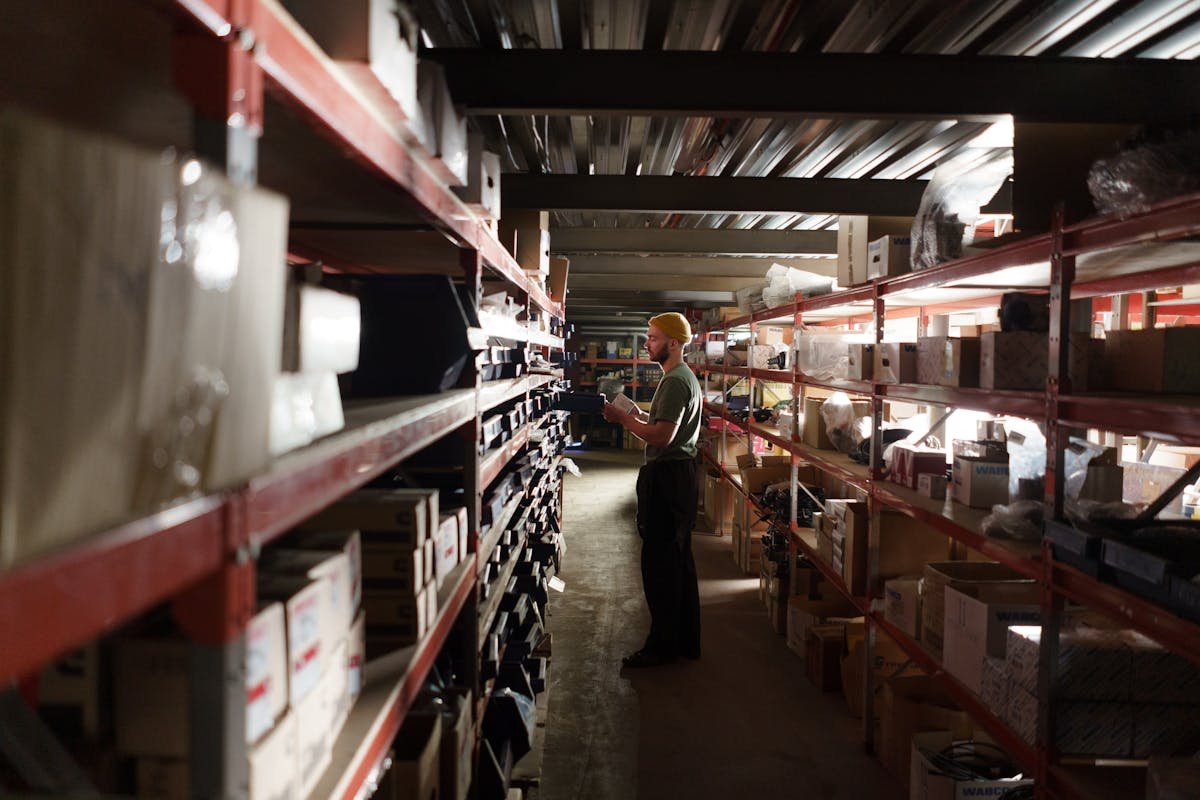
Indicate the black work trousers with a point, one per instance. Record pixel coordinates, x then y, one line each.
667 495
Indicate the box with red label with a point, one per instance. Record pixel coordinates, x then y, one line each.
910 462
304 605
445 544
266 671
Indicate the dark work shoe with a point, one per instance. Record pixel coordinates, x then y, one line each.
644 658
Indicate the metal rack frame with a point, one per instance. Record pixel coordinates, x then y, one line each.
199 554
1059 407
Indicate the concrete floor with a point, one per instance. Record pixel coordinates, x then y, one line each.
741 722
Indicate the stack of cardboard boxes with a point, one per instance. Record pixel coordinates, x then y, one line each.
303 671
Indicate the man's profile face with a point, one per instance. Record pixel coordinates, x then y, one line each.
658 345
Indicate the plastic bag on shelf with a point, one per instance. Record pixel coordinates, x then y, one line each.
1083 511
1079 454
784 283
950 205
1146 173
838 414
823 356
749 299
1026 453
1020 521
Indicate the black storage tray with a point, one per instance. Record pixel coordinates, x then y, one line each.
1078 548
1157 565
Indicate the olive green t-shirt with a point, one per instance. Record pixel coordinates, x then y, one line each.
677 399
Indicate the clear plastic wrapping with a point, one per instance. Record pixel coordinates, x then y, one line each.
846 429
1133 180
1020 521
950 205
784 283
1026 453
824 356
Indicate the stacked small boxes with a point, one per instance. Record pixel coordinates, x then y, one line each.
401 530
1121 694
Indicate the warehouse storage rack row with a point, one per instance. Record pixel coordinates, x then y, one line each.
1097 257
267 101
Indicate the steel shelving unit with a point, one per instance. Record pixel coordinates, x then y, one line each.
231 58
1101 256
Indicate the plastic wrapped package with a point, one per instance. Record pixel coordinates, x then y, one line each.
144 308
837 412
824 356
1132 181
322 330
1026 453
1079 454
749 299
305 407
950 205
784 283
1021 521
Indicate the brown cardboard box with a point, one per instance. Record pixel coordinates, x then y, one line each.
415 770
913 704
888 256
906 545
931 358
961 364
1160 360
909 462
407 515
823 656
557 285
938 576
902 605
719 504
1018 360
851 525
803 613
976 624
151 689
890 660
861 364
855 234
814 433
456 748
895 362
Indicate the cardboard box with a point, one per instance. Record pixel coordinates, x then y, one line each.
332 569
1093 663
851 526
719 501
895 362
526 234
457 746
823 656
443 130
408 515
163 779
556 287
348 542
960 365
931 359
930 783
1018 360
429 559
1159 360
373 41
906 545
417 765
994 684
445 545
914 704
855 234
138 343
861 361
273 762
938 576
398 616
482 191
356 656
316 716
910 462
150 688
307 610
902 605
390 566
932 486
803 613
976 625
68 692
889 256
322 329
1021 713
1164 729
1085 728
979 483
814 433
266 671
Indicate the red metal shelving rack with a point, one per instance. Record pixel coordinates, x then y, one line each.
1168 418
199 553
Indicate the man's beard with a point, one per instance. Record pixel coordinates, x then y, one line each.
661 356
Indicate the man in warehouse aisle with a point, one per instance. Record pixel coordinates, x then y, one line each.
667 496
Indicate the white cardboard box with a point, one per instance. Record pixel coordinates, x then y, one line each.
266 670
888 256
305 606
980 484
356 656
902 605
446 547
274 762
976 625
926 782
316 716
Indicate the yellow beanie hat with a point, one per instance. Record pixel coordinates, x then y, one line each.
674 325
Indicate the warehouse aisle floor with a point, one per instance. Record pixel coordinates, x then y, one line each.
741 722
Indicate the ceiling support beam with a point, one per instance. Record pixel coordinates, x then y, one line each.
825 85
748 269
720 195
683 241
